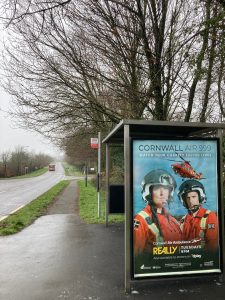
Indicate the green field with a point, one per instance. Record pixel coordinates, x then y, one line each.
71 170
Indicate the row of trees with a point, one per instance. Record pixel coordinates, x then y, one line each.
20 162
79 152
77 67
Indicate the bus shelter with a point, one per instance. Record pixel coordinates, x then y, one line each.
174 155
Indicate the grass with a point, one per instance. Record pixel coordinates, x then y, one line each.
29 213
89 205
71 170
30 175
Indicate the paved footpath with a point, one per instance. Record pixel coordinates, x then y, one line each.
60 257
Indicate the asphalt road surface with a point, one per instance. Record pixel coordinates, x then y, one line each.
15 193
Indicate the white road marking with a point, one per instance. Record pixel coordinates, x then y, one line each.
2 218
11 213
16 209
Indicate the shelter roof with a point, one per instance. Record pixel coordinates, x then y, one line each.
145 128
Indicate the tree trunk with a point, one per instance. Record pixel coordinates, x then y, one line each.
209 73
200 58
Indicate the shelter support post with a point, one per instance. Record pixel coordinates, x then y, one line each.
99 171
127 208
107 184
221 165
86 174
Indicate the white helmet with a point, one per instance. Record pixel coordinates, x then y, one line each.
157 177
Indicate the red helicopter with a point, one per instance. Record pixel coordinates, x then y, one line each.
185 170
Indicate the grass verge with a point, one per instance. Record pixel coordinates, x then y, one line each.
29 213
89 205
30 175
71 170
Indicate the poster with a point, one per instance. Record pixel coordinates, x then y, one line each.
175 207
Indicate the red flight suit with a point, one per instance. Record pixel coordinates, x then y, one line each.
146 232
203 225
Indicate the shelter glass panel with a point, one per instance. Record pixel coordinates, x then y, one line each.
175 207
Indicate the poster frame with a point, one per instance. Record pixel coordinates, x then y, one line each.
220 208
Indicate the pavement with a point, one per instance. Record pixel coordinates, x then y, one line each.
61 257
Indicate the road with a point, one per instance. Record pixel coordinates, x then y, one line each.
15 193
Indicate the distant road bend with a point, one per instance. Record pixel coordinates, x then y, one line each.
15 193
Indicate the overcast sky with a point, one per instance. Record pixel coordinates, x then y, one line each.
10 136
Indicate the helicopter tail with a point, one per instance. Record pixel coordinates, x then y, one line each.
200 176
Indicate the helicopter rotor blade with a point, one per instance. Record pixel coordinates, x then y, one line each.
182 158
178 161
172 160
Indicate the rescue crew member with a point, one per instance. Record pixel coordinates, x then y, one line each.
154 225
199 223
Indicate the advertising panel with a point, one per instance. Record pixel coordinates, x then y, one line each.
176 207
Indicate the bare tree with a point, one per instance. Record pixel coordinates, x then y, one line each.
91 63
79 150
16 10
18 161
5 160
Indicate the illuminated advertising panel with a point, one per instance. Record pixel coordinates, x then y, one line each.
176 207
